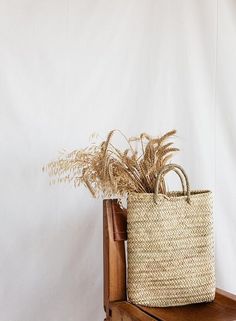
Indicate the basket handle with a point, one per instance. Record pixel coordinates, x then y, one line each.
182 175
166 170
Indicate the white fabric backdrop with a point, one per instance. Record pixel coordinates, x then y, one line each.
69 68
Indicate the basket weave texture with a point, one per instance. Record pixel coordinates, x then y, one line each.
170 246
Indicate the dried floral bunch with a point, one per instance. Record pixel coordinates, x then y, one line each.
110 172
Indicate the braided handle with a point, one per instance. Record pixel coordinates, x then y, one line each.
182 175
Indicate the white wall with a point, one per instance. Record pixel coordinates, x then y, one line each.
69 68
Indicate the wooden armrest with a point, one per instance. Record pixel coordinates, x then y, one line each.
226 294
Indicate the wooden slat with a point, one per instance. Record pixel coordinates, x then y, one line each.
124 311
114 261
119 218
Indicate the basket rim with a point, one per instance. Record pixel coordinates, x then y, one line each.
173 194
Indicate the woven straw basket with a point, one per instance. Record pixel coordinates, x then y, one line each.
170 245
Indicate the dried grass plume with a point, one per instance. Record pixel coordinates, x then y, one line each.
108 171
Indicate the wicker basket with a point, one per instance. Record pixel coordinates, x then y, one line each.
170 245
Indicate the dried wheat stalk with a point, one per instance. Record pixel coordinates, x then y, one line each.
110 172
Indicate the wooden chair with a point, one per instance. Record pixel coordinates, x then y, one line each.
116 306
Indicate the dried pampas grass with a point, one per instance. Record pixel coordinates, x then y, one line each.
108 171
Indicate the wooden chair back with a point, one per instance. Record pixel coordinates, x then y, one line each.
114 256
